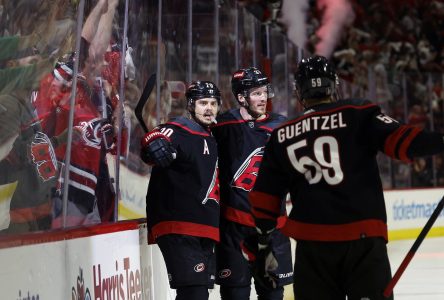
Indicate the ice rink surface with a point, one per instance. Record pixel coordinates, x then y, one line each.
424 277
422 280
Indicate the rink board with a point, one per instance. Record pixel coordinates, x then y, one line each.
409 210
113 261
107 262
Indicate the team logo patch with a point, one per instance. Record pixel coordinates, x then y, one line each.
245 176
199 267
213 192
224 273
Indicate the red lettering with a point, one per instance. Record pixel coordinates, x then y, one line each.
138 286
131 286
97 283
126 266
121 289
106 288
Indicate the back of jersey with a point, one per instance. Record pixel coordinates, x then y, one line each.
330 154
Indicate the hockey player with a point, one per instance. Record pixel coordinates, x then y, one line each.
326 159
241 135
183 193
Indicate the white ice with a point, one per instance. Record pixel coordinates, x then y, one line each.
423 278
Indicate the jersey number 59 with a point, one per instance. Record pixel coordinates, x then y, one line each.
325 164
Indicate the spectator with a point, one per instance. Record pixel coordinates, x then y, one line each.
27 157
421 172
93 136
417 116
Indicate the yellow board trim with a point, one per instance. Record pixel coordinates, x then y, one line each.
126 213
7 190
412 233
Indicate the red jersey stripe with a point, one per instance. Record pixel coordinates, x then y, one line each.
339 232
244 218
265 201
186 228
188 129
393 139
406 143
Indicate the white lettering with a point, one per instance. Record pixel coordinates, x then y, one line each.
206 150
289 132
306 125
329 122
298 128
325 123
341 123
281 135
286 275
315 122
334 121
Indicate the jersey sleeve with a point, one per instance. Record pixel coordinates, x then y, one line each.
403 141
271 184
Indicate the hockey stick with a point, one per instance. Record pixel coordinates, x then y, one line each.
389 289
144 99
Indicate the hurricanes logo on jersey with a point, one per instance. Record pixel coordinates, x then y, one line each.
213 192
245 176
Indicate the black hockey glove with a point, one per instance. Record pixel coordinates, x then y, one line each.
157 149
262 262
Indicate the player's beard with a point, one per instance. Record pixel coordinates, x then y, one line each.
257 112
205 120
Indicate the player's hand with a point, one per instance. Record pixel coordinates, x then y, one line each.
262 262
157 149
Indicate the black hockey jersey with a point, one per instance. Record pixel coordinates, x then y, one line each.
326 159
241 146
184 197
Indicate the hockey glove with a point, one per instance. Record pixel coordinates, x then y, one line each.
157 149
262 262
